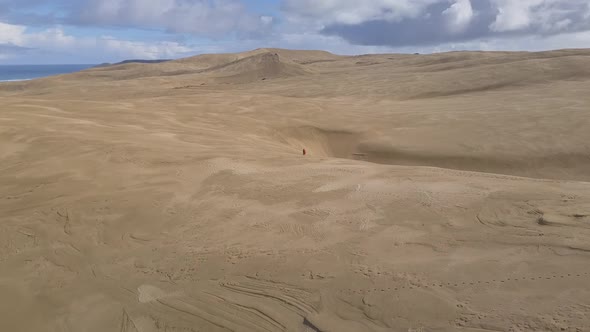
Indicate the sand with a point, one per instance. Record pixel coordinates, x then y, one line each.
444 192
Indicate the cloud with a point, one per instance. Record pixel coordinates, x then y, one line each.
125 49
514 15
459 15
17 44
354 12
400 23
437 23
205 18
541 16
10 50
519 43
11 34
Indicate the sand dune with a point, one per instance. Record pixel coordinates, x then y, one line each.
223 68
255 67
443 192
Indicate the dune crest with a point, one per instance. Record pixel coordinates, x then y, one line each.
256 67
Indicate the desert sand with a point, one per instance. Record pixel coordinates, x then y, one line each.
443 192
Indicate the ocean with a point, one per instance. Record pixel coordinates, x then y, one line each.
27 72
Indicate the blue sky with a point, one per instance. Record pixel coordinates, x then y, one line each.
96 31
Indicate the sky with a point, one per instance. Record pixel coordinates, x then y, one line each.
98 31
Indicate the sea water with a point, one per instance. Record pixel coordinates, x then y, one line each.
28 72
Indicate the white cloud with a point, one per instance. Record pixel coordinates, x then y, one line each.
11 34
509 15
398 23
541 16
459 15
85 49
200 17
334 44
514 15
530 43
140 50
51 38
353 11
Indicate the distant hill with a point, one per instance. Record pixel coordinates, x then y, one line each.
106 64
260 64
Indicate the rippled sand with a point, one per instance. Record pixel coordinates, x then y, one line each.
443 192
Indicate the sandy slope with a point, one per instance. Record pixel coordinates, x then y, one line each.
443 192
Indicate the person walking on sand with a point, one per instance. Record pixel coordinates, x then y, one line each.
304 152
